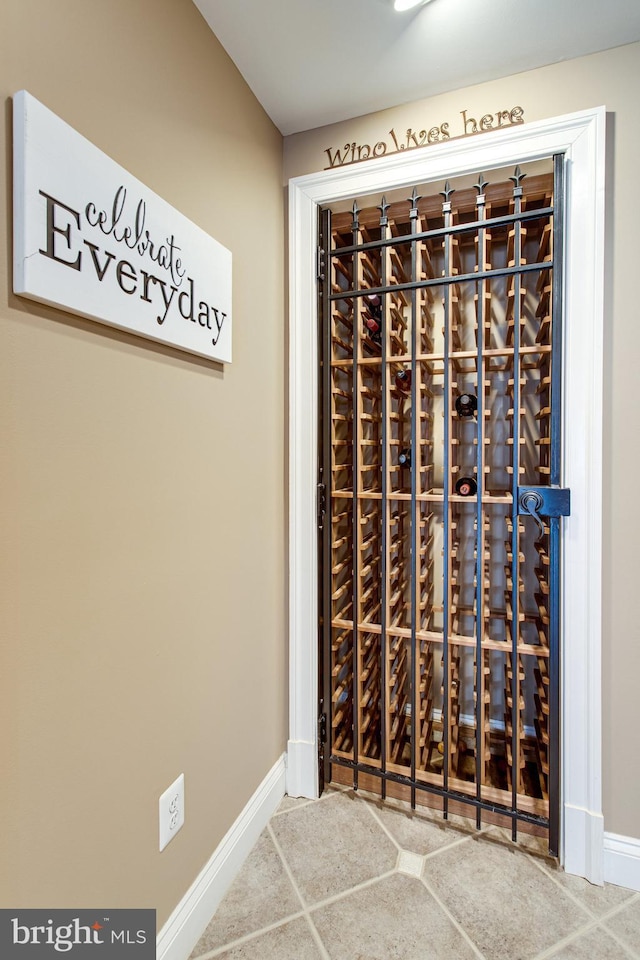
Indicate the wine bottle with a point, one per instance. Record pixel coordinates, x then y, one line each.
403 381
373 304
404 457
466 487
373 329
466 405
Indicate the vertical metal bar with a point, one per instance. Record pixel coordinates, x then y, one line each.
515 545
446 210
357 323
556 319
481 214
554 522
415 524
327 479
384 560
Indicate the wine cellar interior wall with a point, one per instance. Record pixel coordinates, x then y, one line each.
440 404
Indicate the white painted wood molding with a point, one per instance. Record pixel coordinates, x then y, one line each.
581 137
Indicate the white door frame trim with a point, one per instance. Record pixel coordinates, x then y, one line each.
581 136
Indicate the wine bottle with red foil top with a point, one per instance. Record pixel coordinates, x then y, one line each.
373 329
404 457
466 487
373 317
403 381
466 405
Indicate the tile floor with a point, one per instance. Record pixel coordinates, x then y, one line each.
344 878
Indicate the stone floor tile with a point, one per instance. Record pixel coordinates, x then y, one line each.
290 803
393 919
505 903
410 863
421 831
292 941
593 945
332 845
539 846
626 925
598 900
430 813
260 895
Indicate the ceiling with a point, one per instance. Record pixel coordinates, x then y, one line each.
313 62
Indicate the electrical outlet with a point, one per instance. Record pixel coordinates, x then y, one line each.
171 811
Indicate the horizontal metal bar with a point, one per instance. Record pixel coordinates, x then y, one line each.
443 231
439 792
350 292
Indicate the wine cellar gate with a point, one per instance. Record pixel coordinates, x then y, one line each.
439 497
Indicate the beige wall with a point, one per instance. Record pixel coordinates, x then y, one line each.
612 79
142 507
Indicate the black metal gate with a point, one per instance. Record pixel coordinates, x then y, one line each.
439 496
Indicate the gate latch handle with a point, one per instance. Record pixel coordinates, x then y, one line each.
547 501
530 502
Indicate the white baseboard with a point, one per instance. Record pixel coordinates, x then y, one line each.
188 921
622 861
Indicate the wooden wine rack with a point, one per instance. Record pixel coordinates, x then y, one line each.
437 604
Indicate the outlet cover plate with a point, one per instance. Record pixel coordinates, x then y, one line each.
171 811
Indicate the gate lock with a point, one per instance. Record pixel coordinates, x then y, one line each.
540 502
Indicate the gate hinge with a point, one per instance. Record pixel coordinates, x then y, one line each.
320 263
321 503
322 728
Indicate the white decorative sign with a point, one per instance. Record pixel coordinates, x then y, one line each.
91 239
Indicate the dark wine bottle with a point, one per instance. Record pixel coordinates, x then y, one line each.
373 304
466 487
403 381
466 405
404 457
373 329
